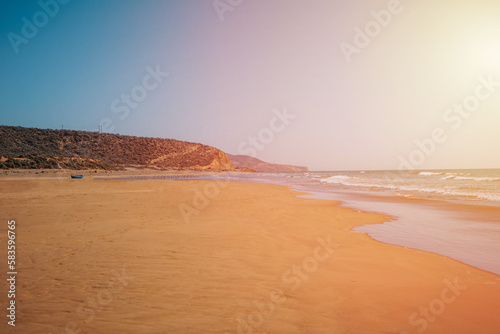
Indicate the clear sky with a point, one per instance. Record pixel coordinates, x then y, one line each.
329 84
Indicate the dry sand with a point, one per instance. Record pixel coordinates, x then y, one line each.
119 257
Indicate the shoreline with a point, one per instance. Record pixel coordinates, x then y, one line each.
400 214
378 233
463 232
130 171
255 257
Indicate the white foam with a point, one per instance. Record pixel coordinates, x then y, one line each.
477 178
490 197
429 173
339 179
447 191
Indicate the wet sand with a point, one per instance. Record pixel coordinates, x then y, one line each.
464 232
202 256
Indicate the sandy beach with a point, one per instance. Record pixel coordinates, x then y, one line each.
205 256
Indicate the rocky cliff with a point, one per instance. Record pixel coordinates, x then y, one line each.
41 148
241 161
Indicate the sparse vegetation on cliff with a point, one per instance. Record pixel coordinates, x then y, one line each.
66 149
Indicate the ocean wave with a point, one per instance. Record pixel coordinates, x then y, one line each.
490 197
412 188
454 192
429 173
477 178
338 179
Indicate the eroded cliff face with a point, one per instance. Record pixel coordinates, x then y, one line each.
221 162
41 148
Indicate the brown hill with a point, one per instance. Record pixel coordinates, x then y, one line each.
42 148
240 161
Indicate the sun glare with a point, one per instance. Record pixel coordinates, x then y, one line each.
484 44
489 55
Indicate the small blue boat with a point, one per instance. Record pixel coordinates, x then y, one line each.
76 176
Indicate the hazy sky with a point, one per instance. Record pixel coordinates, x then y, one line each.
329 84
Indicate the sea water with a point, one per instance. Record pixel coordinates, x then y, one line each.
480 187
455 213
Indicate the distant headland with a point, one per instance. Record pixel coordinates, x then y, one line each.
33 148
